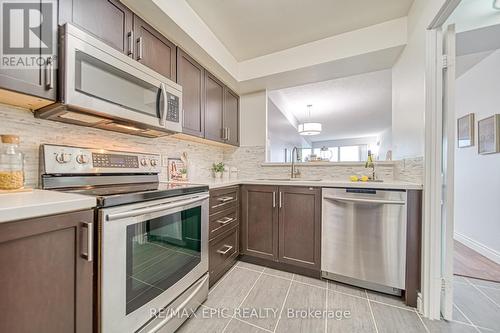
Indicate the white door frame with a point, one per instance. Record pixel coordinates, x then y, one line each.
432 231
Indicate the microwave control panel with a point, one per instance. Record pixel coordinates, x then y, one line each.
172 108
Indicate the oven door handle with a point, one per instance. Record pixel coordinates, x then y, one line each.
154 209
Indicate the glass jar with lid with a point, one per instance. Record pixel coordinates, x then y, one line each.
11 163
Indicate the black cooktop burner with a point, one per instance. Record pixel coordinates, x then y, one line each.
114 195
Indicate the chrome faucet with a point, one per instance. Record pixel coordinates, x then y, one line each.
294 172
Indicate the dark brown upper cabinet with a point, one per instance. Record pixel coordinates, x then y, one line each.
259 221
214 108
191 76
116 25
221 112
231 117
47 276
108 20
300 226
39 82
154 50
282 224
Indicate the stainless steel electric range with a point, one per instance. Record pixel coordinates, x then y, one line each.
152 249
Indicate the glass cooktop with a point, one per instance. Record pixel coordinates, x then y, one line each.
114 195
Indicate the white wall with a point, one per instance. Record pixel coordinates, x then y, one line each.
281 135
385 143
253 115
477 177
408 83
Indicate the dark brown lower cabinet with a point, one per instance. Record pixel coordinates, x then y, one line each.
282 224
259 221
224 234
45 281
300 226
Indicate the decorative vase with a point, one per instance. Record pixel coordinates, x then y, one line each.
218 174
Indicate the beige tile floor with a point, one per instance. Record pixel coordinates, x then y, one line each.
251 298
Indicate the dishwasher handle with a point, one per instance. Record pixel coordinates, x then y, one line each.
372 201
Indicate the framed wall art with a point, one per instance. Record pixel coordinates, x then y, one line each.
489 135
465 131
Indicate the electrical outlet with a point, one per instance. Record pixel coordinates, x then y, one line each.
164 160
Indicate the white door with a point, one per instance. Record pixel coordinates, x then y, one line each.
448 157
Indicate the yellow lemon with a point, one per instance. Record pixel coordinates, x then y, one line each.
364 178
354 178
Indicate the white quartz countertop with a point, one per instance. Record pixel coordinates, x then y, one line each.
37 203
390 185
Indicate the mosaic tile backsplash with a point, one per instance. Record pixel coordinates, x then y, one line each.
248 160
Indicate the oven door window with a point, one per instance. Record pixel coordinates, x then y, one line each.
160 252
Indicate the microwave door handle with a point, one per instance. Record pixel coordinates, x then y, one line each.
154 209
163 116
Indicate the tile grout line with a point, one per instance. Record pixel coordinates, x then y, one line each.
284 302
465 316
422 321
371 311
326 307
243 321
471 281
249 323
221 279
392 305
483 293
243 301
335 291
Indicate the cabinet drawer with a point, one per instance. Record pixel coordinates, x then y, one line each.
222 221
223 252
222 199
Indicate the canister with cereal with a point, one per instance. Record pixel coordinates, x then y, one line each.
11 163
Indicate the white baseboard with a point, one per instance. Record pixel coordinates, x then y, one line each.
478 247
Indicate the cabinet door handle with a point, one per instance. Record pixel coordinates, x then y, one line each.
274 199
224 252
225 220
89 255
280 202
228 135
49 76
130 38
140 49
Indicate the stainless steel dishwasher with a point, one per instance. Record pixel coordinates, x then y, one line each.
363 238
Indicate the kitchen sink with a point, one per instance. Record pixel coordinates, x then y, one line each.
291 179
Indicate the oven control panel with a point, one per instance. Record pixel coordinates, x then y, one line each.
74 160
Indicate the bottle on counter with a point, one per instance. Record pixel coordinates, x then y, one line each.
11 163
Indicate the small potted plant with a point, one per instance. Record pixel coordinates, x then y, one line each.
218 169
184 173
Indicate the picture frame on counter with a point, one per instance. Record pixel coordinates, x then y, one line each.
177 170
465 131
489 135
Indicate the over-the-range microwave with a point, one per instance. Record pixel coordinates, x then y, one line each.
103 88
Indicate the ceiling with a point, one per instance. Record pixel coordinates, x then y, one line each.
474 46
474 14
250 29
350 107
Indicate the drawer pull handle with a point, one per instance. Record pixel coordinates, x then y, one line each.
225 220
224 252
225 199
